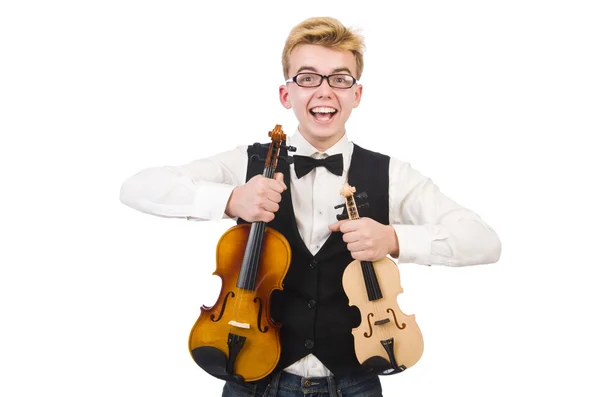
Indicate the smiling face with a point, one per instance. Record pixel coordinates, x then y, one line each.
321 111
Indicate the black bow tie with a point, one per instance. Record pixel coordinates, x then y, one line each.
303 164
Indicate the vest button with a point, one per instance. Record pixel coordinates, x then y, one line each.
309 344
313 264
307 383
311 304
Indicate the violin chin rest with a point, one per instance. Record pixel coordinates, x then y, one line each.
381 366
214 361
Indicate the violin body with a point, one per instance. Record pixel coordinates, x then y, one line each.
241 312
236 339
384 328
387 340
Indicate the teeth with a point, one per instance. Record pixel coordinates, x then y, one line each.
323 109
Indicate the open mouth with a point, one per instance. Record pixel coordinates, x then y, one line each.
323 113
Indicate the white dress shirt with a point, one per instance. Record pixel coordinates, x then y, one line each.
431 228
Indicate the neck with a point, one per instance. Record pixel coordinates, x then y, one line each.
322 143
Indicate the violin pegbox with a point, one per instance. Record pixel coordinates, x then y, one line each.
277 134
278 138
350 206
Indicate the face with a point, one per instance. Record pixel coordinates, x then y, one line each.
321 111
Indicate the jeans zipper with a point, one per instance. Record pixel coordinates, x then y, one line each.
267 390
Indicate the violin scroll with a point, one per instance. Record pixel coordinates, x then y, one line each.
277 138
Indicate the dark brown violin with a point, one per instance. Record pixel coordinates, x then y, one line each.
236 338
386 340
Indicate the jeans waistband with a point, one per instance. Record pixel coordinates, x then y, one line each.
326 384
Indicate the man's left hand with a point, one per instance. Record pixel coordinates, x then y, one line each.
368 240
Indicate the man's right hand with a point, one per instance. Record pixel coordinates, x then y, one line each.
257 200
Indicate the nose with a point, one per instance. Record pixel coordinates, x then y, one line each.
324 90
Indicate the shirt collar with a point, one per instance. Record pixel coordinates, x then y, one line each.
304 148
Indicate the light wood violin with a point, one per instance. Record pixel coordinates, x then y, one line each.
387 340
236 338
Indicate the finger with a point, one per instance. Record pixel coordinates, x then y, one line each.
351 237
272 184
279 179
266 216
356 246
335 227
365 255
349 225
259 215
273 196
359 255
255 178
270 206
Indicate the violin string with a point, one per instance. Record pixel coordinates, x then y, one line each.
269 172
377 286
379 303
256 238
249 272
366 273
241 295
252 261
371 282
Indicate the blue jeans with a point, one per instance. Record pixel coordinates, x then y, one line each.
284 384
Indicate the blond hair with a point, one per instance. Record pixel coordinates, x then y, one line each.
327 32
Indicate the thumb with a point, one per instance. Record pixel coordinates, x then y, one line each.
279 178
335 227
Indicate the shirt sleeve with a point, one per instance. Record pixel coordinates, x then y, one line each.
196 191
431 228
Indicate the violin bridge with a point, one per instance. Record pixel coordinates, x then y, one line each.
239 325
381 322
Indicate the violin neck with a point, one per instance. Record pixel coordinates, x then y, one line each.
371 282
368 270
249 269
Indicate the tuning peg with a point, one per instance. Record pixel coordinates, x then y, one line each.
257 145
256 157
341 217
289 148
339 206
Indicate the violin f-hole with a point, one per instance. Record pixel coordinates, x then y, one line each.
370 327
212 316
260 309
396 320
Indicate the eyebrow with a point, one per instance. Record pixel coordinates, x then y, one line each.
311 69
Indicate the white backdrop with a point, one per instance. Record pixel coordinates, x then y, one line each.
496 101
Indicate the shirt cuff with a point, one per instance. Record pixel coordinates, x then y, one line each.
414 242
210 202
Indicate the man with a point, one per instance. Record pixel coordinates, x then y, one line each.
408 217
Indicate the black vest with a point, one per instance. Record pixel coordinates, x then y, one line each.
312 307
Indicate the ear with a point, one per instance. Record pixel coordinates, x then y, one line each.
358 95
284 97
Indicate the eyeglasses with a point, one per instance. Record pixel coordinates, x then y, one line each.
314 80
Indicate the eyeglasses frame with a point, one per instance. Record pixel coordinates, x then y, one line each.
323 77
